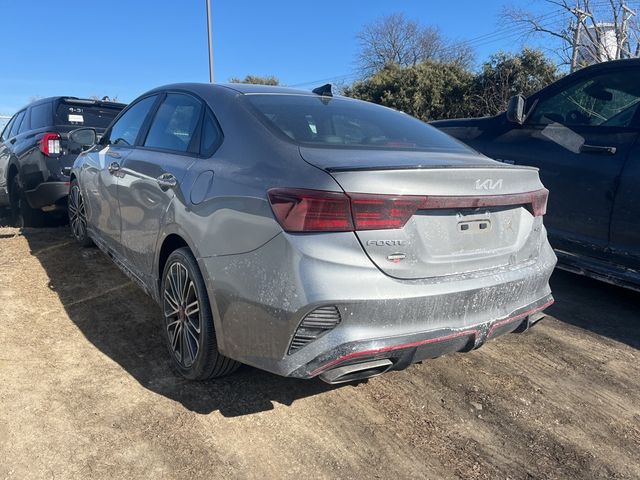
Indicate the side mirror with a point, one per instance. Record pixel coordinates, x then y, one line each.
85 137
515 109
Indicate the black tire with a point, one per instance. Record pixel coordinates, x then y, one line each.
77 215
22 215
186 309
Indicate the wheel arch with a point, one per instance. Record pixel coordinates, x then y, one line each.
170 244
173 238
12 171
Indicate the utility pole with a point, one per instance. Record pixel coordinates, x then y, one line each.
210 39
580 16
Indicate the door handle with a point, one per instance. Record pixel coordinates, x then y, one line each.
602 150
113 154
166 181
113 167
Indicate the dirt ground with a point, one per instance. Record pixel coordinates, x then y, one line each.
86 391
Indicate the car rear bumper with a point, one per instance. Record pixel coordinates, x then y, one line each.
260 298
47 193
406 350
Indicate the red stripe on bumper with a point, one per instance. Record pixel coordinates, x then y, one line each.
519 316
473 331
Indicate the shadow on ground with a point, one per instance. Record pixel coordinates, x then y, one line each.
124 324
603 309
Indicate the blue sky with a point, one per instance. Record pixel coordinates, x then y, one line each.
123 48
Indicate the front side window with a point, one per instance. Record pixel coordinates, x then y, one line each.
606 100
328 122
175 123
126 129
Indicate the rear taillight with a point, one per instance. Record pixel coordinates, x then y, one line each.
50 144
299 210
539 200
311 210
380 212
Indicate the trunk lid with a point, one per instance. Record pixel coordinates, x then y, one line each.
475 225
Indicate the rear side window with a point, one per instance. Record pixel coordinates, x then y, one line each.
125 131
211 135
327 122
41 116
24 126
16 124
6 134
85 115
175 123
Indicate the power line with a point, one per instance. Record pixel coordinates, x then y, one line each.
327 80
503 34
511 32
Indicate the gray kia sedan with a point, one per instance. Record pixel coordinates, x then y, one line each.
310 235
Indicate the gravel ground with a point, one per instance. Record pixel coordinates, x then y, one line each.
86 391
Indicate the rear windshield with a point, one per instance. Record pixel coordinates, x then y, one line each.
339 122
69 113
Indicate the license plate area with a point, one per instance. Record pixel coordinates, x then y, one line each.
474 226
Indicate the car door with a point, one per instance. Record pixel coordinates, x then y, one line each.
11 139
5 156
625 221
101 171
151 177
579 135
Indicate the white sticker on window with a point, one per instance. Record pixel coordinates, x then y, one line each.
76 118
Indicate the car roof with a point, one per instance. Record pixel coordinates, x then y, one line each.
627 62
75 99
243 88
249 88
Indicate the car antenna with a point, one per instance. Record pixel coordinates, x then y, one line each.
324 90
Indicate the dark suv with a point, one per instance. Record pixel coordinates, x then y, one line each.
36 153
582 133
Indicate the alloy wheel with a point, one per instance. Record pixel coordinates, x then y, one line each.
182 314
77 215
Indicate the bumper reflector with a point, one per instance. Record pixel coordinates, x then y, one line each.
314 325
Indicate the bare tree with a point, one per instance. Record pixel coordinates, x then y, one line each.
395 40
257 79
587 31
104 98
461 54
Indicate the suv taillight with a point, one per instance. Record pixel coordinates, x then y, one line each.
50 144
299 210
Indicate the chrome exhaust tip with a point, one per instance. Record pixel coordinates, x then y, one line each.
359 371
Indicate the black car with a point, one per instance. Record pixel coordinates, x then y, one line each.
36 153
582 133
